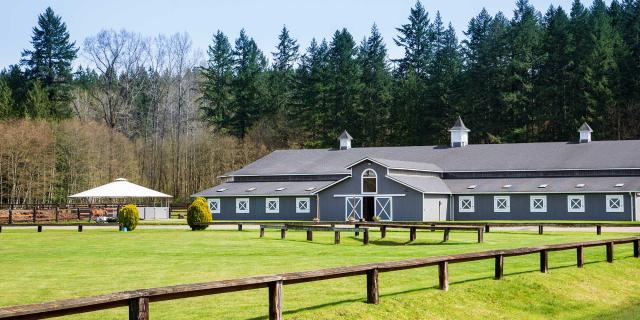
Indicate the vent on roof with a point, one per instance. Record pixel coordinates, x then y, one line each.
280 189
473 186
251 189
619 185
542 186
221 190
310 189
507 186
580 185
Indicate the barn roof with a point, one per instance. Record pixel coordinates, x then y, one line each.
477 158
252 189
544 185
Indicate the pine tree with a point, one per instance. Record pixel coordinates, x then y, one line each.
49 62
37 104
416 38
6 99
376 91
216 86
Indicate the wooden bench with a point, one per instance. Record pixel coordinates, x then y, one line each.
310 228
414 227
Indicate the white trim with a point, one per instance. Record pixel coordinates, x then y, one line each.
502 199
362 177
575 197
389 204
331 185
540 199
274 210
368 195
248 207
217 202
307 210
620 199
472 203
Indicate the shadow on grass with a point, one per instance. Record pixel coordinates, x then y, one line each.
625 313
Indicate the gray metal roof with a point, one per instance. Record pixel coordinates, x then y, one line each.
459 125
585 127
553 185
400 164
263 189
476 157
423 184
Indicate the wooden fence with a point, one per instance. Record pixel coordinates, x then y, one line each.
138 300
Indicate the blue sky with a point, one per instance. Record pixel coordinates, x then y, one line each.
262 19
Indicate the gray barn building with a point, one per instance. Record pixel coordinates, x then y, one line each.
582 180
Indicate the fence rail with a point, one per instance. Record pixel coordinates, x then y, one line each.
138 300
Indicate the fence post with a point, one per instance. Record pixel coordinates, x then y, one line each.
239 226
610 252
261 231
283 232
480 235
357 232
309 235
540 229
39 228
10 213
598 230
580 256
544 261
487 228
57 213
275 300
80 228
78 212
443 275
636 248
446 234
336 237
34 213
366 236
499 267
373 295
139 308
412 234
383 231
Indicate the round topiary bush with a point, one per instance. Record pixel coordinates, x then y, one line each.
198 212
128 216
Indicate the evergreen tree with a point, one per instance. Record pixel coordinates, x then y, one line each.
49 62
6 99
416 38
216 86
37 104
376 91
248 85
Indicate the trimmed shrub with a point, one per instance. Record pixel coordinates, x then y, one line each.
128 216
198 212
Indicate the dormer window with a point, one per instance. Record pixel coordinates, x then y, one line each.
251 189
221 190
471 187
619 185
506 186
369 181
543 186
280 189
580 185
310 189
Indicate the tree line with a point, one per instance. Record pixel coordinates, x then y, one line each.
188 117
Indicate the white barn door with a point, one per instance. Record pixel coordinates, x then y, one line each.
353 208
384 208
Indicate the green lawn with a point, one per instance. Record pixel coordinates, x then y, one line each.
60 264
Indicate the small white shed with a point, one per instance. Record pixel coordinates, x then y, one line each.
121 189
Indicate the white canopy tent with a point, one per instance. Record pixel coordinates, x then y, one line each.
123 189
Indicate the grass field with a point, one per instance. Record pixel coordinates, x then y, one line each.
59 264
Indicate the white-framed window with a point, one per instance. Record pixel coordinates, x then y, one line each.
466 204
303 205
242 205
272 205
369 181
501 204
575 203
214 205
538 203
615 203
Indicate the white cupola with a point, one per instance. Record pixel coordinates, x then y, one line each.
345 140
459 134
585 133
